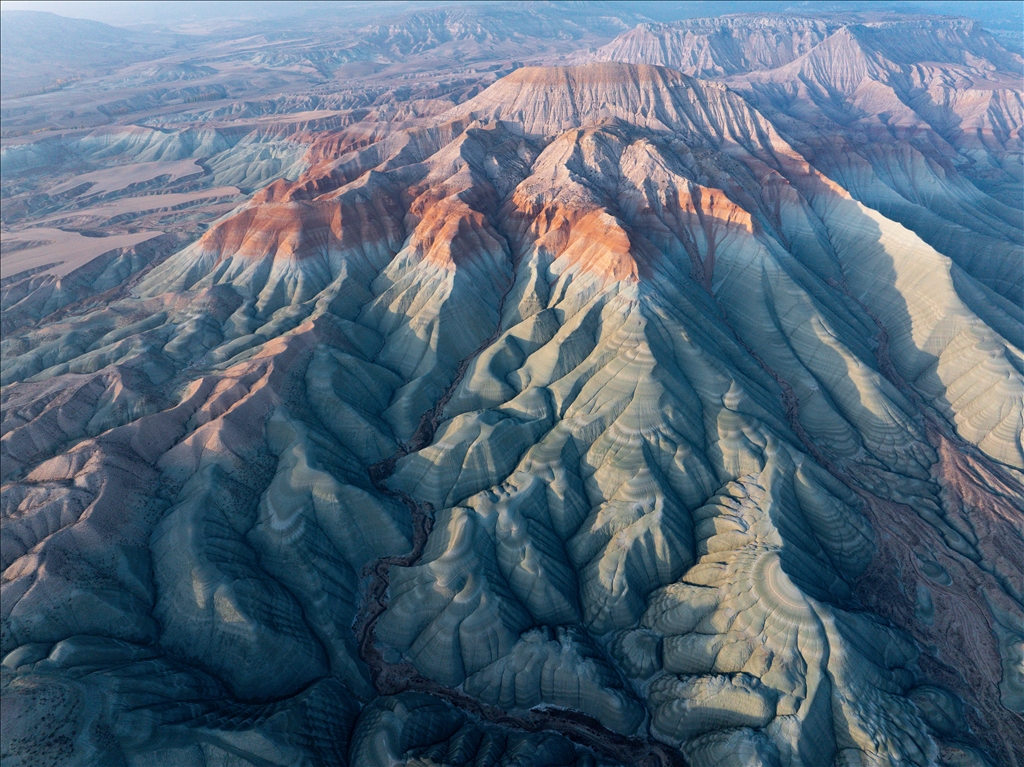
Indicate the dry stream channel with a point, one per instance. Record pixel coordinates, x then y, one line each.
393 678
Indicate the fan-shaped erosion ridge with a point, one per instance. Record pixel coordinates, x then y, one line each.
604 418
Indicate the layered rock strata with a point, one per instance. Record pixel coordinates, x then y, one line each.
599 414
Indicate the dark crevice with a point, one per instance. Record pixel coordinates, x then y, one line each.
897 526
393 678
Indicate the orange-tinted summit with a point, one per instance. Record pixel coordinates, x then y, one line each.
471 413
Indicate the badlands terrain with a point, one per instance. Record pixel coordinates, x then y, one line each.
559 384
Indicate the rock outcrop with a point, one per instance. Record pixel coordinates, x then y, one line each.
714 47
701 417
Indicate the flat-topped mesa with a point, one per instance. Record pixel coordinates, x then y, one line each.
541 101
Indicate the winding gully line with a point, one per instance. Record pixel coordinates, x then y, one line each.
393 678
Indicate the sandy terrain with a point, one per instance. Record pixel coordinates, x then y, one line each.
66 250
145 203
122 176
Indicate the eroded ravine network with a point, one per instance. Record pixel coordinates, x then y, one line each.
897 526
887 517
393 678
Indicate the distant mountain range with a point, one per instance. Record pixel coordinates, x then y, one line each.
527 386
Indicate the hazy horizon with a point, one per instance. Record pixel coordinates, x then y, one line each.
127 13
569 384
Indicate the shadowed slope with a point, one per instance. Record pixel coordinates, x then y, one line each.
719 46
592 420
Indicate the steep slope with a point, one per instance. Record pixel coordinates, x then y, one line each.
717 46
944 95
591 420
544 101
889 109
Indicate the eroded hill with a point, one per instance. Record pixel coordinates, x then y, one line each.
608 416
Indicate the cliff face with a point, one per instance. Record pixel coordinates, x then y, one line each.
714 47
610 413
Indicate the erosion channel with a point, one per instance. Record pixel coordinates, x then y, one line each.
393 678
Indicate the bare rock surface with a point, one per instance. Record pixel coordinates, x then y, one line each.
604 415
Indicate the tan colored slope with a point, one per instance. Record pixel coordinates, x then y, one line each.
714 47
954 110
957 81
668 419
944 89
540 101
